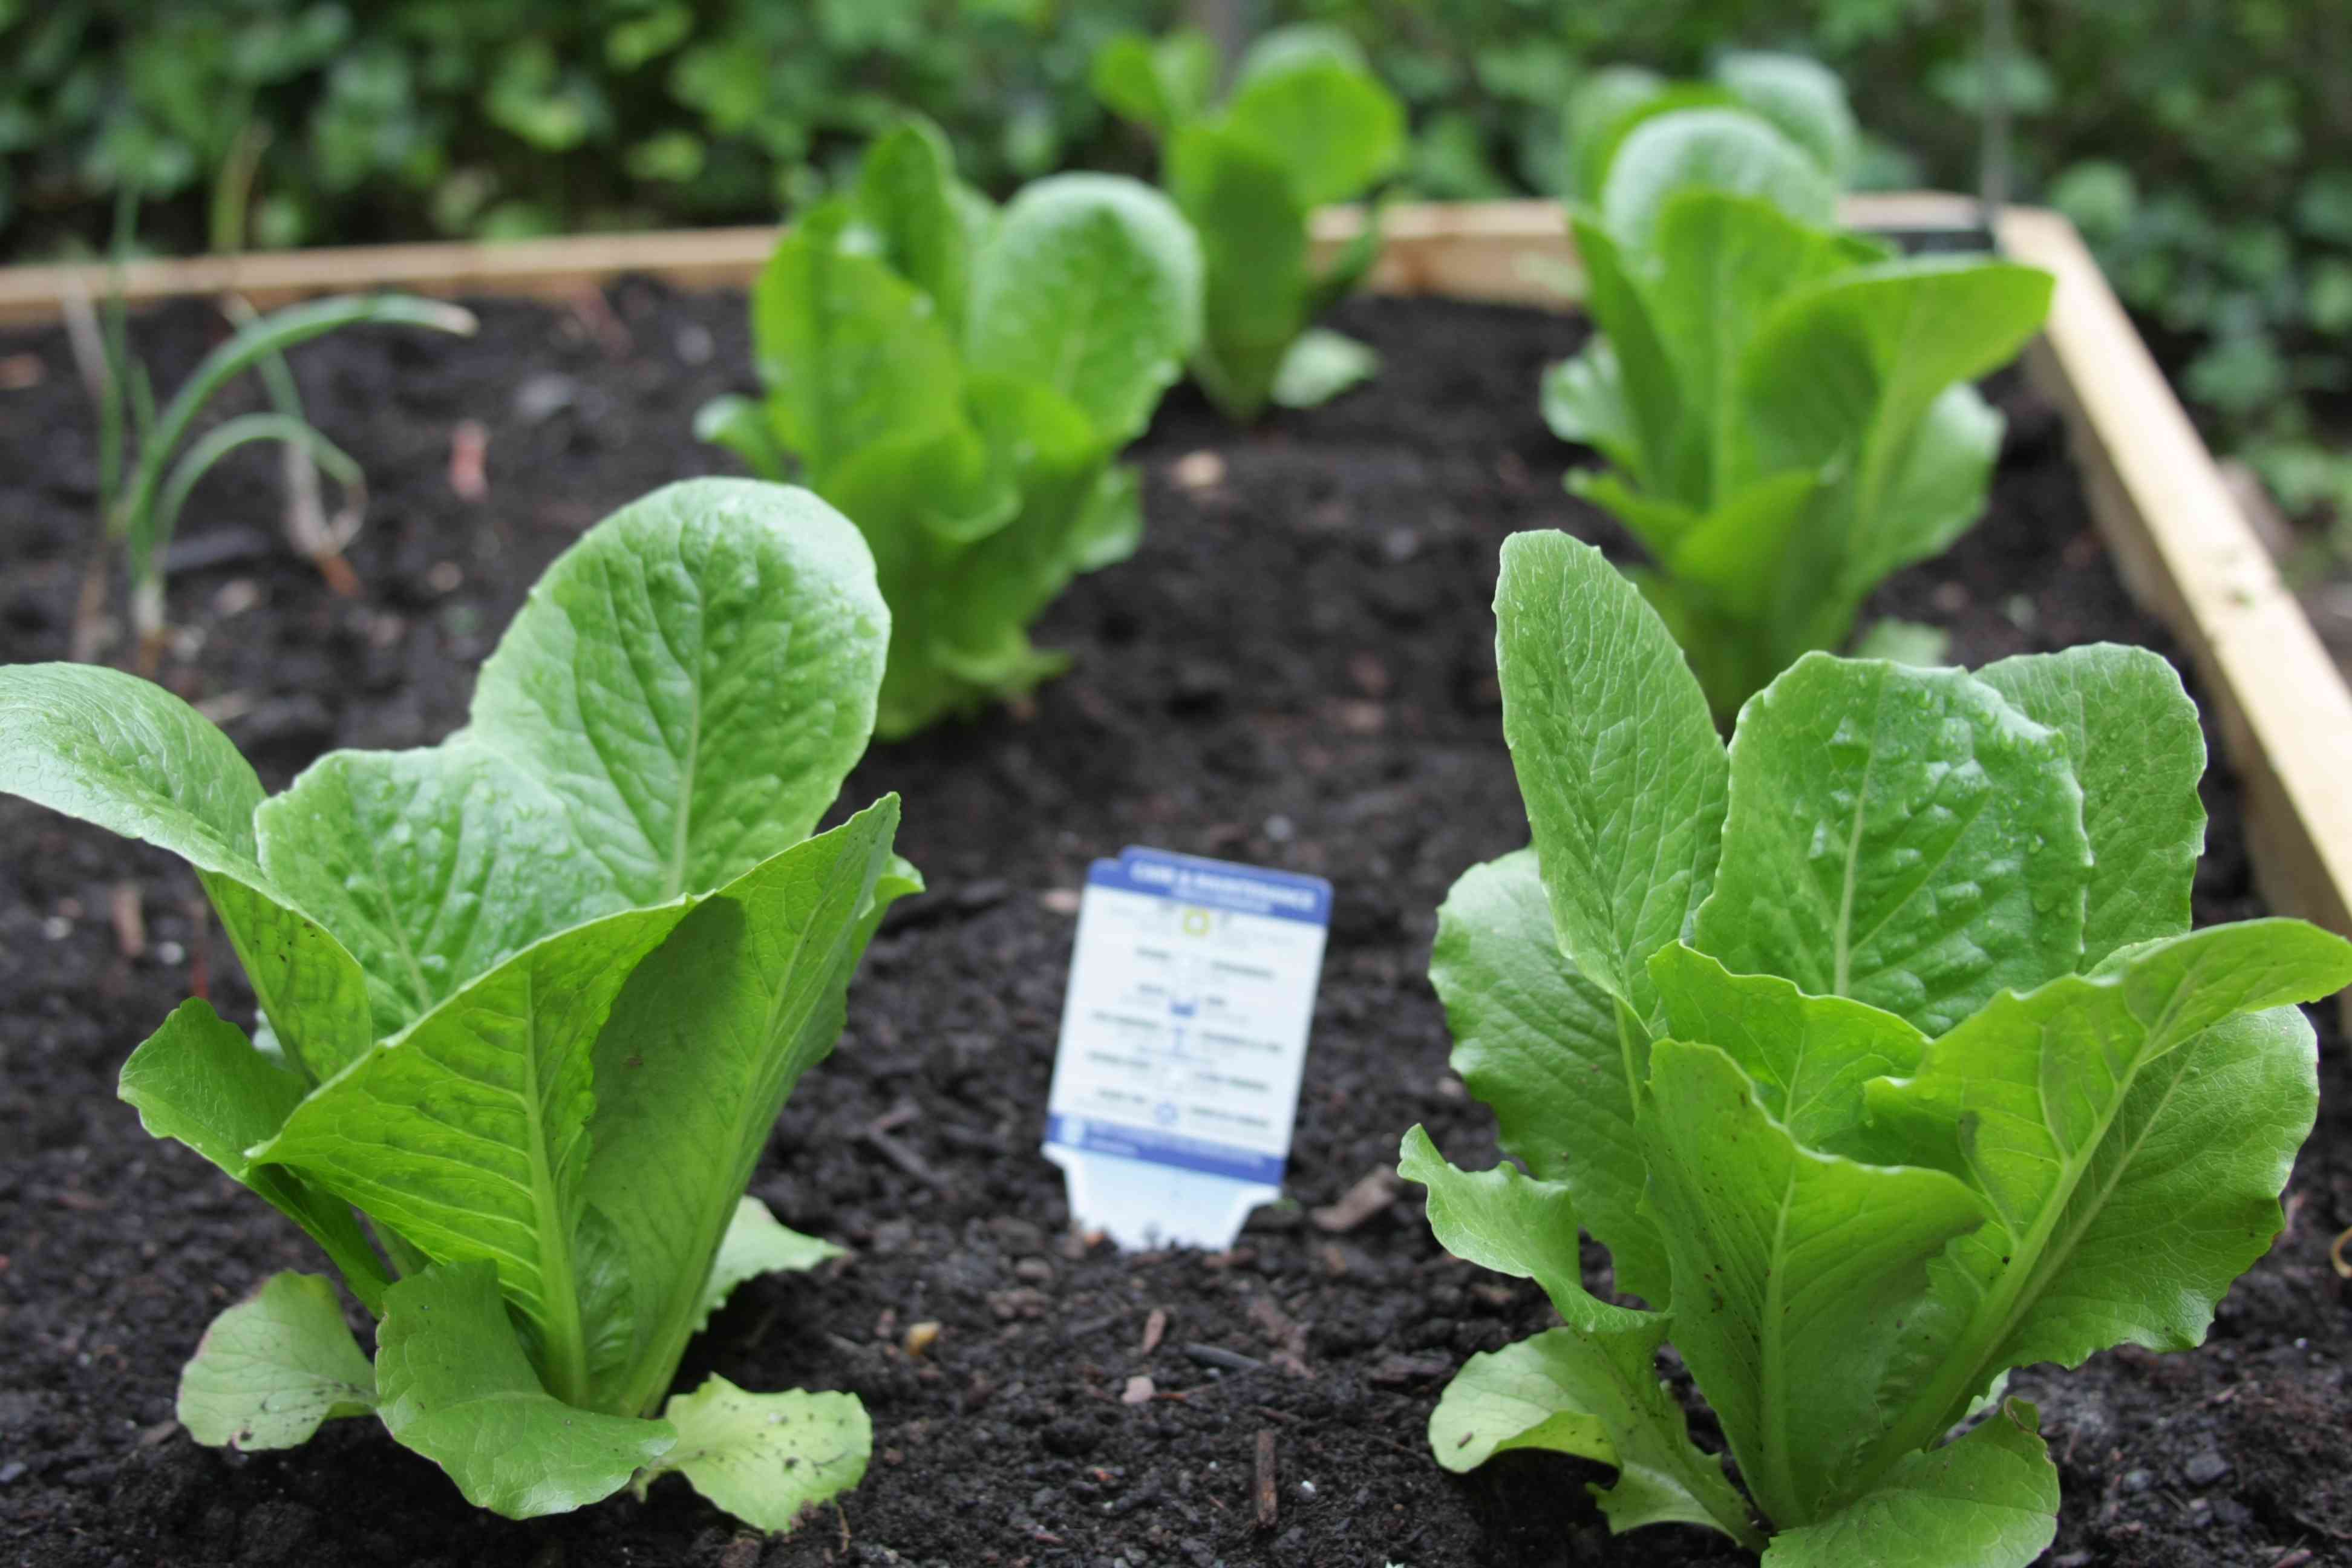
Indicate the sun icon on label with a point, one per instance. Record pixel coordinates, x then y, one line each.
1195 922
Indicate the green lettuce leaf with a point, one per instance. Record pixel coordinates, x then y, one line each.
693 681
1625 395
468 1131
906 194
456 1387
1794 1270
1856 372
1729 259
2131 1130
1110 521
1160 83
121 753
1331 124
1320 366
273 1369
767 1458
1616 756
1803 100
1810 1057
1254 250
432 866
2133 740
756 1244
1988 1498
1593 1384
199 1081
1538 1042
741 425
1899 835
1090 286
1713 148
849 352
702 1047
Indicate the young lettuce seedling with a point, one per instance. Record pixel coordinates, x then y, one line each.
958 382
531 1000
1308 124
1784 408
1877 1050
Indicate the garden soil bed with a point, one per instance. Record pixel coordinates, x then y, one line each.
1297 669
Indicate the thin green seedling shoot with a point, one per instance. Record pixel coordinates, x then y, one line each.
150 460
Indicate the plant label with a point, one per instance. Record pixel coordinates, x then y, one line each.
1183 1033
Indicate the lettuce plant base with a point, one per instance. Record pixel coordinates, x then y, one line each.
1298 668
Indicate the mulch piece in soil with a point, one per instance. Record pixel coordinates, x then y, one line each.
1297 669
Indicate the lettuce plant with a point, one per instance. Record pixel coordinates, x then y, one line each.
959 380
1801 98
530 1000
1878 1052
1307 123
1784 408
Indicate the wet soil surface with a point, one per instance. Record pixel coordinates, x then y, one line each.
1297 669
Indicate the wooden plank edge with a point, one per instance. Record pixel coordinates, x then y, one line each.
2188 553
1506 252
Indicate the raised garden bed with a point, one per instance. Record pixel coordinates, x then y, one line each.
1297 669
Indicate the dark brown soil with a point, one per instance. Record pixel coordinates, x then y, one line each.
1297 669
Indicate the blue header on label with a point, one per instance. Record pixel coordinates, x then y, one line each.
1216 885
1171 1149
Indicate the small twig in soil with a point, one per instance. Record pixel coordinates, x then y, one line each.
1268 1503
595 313
469 452
1372 1192
128 909
2294 1559
877 1133
1217 1355
843 1520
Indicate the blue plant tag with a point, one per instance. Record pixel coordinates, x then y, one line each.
1183 1035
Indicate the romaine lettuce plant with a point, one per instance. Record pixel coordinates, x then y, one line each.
1784 408
1878 1052
531 999
958 382
1799 98
1308 124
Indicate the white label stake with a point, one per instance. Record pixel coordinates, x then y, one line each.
1183 1033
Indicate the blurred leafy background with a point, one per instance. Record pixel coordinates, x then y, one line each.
2204 146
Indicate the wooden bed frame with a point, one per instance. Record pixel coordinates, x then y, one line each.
2180 540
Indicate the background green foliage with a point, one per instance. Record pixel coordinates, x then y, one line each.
412 118
2205 147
